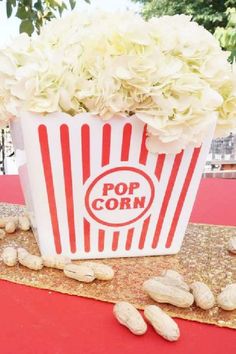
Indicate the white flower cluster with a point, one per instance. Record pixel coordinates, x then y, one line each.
169 72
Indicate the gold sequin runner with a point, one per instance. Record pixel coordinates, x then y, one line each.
203 257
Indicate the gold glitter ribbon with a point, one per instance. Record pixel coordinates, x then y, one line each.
203 257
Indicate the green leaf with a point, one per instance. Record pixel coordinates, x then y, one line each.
38 5
88 1
9 8
27 27
232 19
22 13
232 57
72 4
62 8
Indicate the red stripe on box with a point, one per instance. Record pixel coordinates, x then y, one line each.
115 240
143 152
159 165
85 146
66 159
144 233
86 235
101 236
47 168
127 130
106 144
170 185
182 196
129 239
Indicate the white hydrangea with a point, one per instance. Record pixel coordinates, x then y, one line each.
169 72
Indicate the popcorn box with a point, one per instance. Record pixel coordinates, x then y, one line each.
94 191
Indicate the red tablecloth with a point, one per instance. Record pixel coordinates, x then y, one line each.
34 321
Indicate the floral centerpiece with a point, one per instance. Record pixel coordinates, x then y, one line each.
169 71
167 75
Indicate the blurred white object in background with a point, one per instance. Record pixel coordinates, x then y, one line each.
10 166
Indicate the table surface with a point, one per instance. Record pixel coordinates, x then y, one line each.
34 321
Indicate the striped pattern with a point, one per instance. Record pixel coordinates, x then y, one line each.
46 161
159 231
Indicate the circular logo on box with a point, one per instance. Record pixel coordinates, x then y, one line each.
119 196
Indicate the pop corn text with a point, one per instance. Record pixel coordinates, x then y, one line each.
119 196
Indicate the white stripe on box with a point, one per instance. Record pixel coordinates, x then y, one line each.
77 183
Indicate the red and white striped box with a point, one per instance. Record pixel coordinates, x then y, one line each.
94 190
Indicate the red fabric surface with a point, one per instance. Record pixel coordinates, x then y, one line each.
35 321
